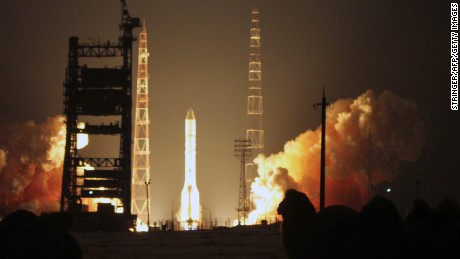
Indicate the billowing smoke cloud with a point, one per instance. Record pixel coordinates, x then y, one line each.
31 159
396 135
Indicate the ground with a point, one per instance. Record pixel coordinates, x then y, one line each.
252 242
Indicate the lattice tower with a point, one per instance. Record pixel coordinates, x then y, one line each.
254 131
242 152
141 158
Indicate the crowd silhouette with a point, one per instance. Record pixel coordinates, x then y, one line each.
377 231
26 235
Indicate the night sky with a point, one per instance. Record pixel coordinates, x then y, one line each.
199 58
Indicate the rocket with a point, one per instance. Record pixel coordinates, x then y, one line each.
190 197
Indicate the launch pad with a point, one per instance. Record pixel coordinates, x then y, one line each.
93 94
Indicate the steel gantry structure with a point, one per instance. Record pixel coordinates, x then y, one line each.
99 93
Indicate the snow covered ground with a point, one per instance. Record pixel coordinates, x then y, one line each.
250 242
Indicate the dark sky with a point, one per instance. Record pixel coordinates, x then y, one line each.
198 58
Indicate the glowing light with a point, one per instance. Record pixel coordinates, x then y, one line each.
190 213
235 223
119 210
265 195
92 202
388 189
141 226
82 138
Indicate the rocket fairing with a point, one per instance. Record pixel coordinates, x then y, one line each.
190 197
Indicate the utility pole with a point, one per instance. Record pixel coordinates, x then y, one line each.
370 187
417 184
322 184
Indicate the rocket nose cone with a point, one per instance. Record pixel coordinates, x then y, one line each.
190 114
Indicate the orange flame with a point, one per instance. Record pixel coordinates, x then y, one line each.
31 159
397 134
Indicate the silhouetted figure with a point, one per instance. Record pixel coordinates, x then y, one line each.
17 235
24 235
420 213
295 209
435 233
333 233
381 230
446 226
376 232
417 225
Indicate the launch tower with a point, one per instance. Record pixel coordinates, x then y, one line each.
141 158
92 95
254 131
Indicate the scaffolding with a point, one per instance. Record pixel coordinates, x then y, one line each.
141 158
242 150
93 94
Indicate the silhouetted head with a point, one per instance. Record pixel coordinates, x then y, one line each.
296 209
24 235
16 219
381 216
421 211
448 210
296 205
17 234
332 233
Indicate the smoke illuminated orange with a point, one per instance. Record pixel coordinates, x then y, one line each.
31 159
397 135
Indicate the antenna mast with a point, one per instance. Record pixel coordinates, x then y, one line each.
254 131
369 166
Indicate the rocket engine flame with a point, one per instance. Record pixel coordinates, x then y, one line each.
397 134
31 159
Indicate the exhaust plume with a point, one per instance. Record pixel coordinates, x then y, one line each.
31 159
396 134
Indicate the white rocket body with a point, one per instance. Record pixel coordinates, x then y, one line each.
190 197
